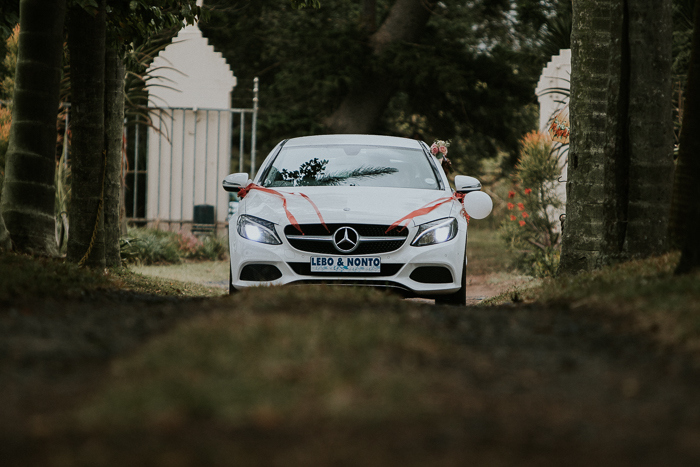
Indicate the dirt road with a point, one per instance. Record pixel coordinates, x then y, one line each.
532 386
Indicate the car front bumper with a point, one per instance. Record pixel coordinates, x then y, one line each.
409 269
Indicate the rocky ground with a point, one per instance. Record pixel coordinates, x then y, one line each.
533 386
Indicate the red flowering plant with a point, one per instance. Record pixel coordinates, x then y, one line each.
532 227
188 244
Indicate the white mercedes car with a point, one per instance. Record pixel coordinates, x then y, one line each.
354 209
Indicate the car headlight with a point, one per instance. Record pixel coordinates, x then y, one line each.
258 230
439 231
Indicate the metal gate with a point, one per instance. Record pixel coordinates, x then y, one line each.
176 163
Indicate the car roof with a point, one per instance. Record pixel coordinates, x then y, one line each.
370 140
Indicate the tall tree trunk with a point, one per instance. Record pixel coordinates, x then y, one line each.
28 198
650 134
114 127
86 42
582 236
620 163
364 105
685 213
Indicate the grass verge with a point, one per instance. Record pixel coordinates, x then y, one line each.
26 277
646 291
166 286
202 272
487 252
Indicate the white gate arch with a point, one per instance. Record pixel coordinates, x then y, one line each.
189 140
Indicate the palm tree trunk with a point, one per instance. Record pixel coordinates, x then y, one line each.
685 213
86 42
650 131
28 198
114 126
620 163
584 188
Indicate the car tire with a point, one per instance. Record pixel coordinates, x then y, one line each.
459 297
231 289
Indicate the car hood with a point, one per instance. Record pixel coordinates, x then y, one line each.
352 204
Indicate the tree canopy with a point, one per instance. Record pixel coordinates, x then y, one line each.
469 76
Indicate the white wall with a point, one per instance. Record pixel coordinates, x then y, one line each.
187 171
556 74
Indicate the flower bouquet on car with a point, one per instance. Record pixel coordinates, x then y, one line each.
439 150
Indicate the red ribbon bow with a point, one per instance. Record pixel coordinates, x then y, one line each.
252 186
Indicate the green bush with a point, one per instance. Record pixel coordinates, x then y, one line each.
155 246
539 262
214 248
150 246
207 248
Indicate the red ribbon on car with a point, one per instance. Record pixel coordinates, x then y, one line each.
431 206
252 186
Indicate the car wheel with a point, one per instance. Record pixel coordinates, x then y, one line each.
456 298
231 289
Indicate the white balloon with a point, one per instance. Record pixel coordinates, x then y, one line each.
478 204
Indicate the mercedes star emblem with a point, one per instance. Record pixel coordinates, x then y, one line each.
346 239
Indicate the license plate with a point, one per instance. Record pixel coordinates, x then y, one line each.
345 264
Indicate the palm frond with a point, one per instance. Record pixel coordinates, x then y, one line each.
335 178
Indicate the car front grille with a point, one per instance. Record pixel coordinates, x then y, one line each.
373 239
304 269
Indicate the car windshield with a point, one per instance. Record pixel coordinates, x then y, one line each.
351 165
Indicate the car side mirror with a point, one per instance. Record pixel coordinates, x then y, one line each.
234 182
465 184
